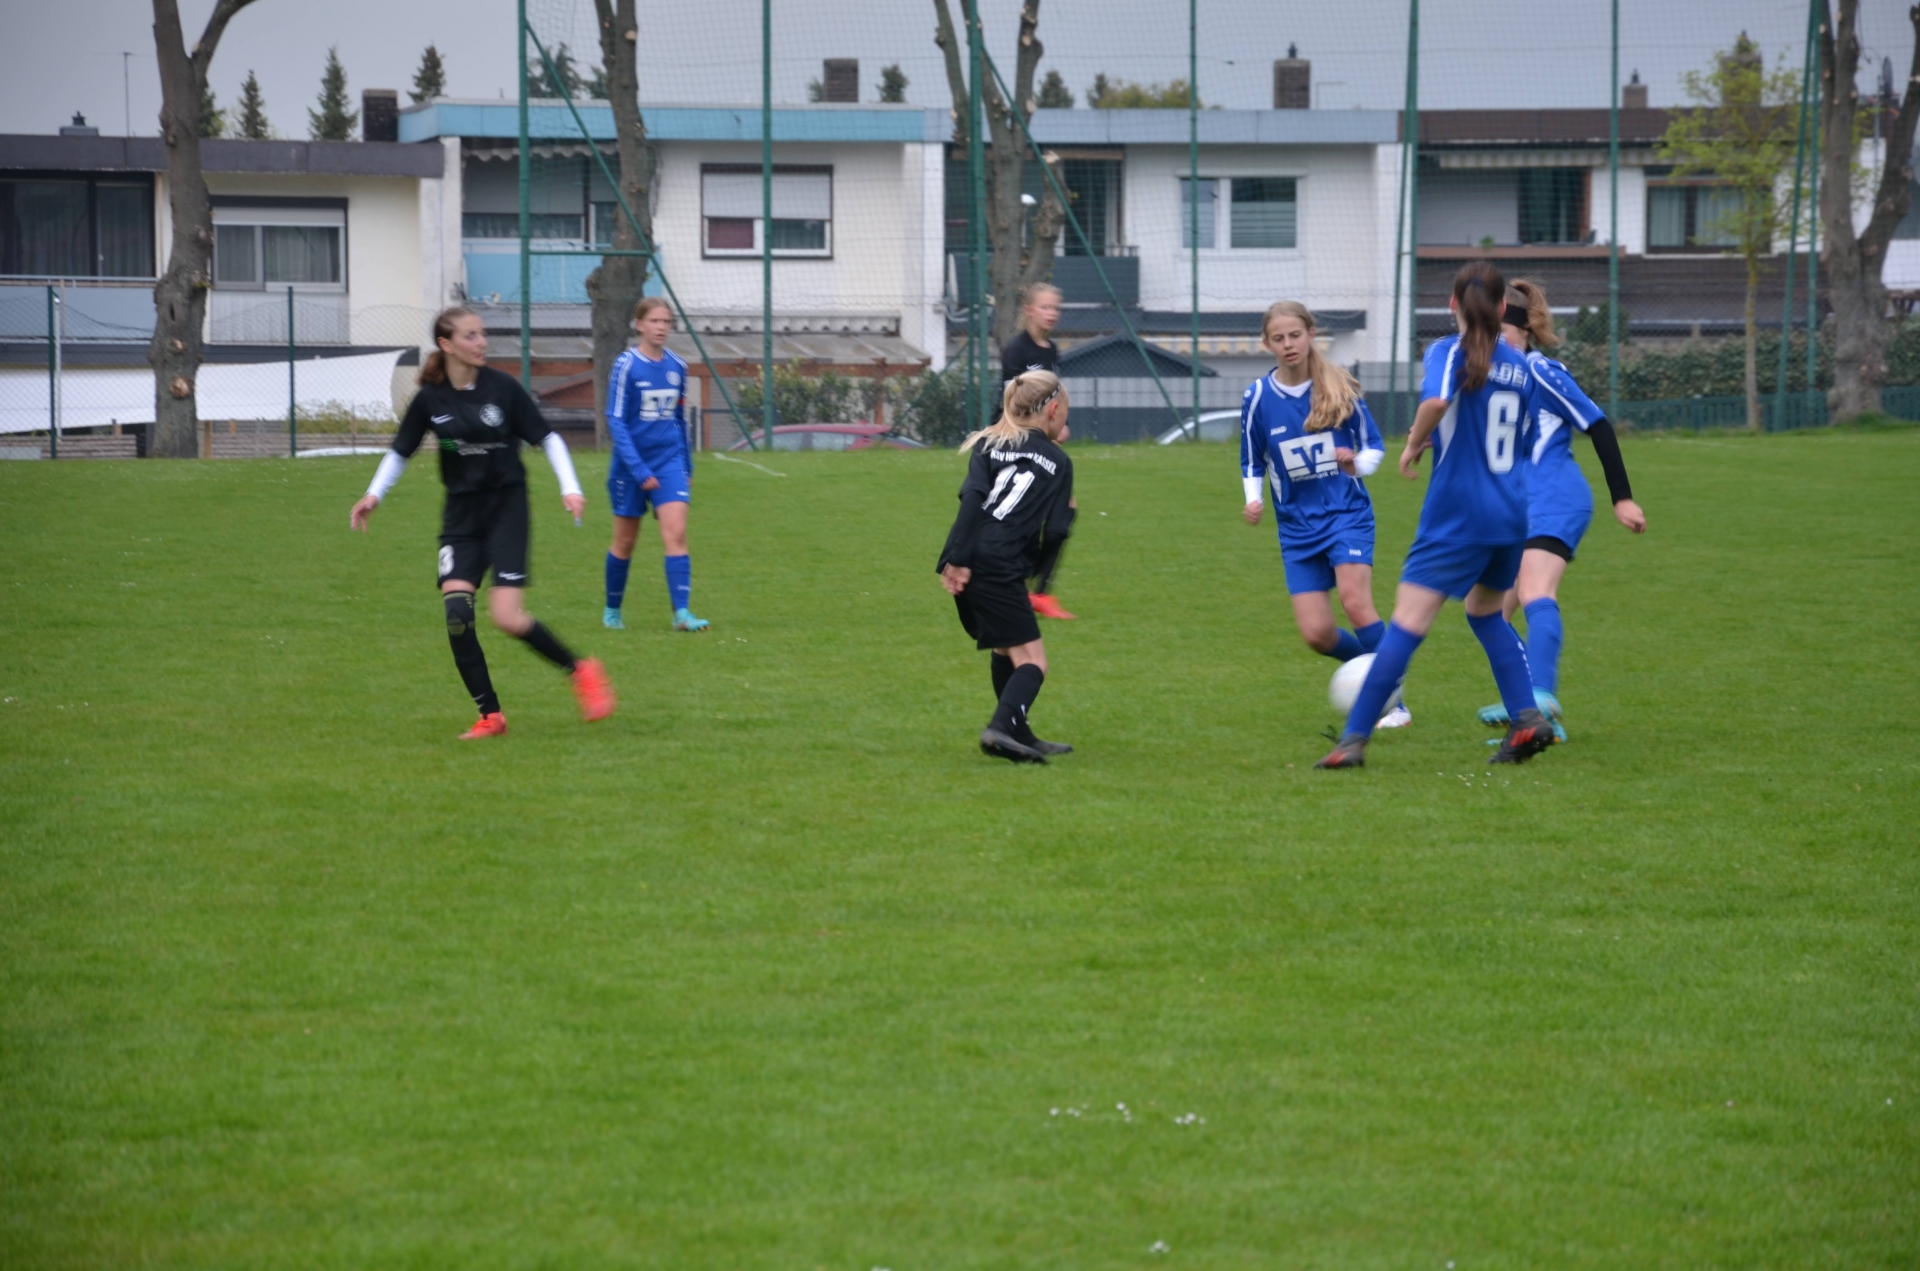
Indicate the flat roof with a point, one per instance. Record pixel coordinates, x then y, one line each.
222 154
1216 127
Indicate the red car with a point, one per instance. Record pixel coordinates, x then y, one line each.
833 437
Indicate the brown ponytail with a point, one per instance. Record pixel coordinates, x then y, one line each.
1480 293
1530 296
434 369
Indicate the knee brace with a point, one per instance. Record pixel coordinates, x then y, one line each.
459 613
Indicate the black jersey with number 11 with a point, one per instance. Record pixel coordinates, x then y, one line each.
1014 508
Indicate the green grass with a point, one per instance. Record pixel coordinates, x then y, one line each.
774 969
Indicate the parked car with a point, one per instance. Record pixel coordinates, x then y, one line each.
833 437
1215 425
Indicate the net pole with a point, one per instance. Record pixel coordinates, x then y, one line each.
977 361
766 221
1815 9
1407 139
1793 240
293 425
1193 194
1413 195
53 375
1613 230
526 216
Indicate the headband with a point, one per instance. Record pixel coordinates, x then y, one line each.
1515 316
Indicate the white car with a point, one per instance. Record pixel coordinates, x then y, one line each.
1215 425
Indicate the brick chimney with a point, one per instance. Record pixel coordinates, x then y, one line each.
380 115
841 77
1633 95
1293 81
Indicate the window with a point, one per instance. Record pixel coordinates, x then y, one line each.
507 225
77 227
279 245
1682 217
1261 213
1553 205
731 201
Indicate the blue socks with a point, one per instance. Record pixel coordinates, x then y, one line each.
1389 668
617 580
1346 647
679 580
1509 659
1369 635
1544 635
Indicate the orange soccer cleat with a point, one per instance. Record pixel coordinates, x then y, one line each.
494 725
594 690
1047 607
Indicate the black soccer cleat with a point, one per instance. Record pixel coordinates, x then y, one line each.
1350 753
1046 747
1528 736
1000 746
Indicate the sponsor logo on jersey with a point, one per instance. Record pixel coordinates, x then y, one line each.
492 416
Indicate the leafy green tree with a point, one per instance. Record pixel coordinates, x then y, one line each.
252 123
816 91
893 84
565 80
1054 93
430 81
336 119
1122 94
213 120
1742 132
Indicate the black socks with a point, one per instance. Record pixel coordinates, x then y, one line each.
467 654
1002 672
548 646
1016 699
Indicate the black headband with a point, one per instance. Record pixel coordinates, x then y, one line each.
1515 316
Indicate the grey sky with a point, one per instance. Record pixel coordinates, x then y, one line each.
67 53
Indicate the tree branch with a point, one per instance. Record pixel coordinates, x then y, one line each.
210 38
956 77
1890 204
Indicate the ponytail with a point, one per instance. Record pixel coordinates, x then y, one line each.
1526 294
1480 293
1335 391
434 369
1026 395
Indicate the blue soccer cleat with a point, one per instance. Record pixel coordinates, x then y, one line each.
683 620
611 620
1495 716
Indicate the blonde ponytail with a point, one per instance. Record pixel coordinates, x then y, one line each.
1027 394
1335 391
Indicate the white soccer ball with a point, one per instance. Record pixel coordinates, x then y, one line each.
1344 687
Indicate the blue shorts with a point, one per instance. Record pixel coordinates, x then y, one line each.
630 500
1560 506
1310 566
1452 569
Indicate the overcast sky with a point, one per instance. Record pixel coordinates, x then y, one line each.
67 54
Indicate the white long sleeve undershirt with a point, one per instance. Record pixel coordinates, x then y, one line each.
1252 486
1367 462
562 461
392 464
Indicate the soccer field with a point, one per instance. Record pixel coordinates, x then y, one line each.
775 969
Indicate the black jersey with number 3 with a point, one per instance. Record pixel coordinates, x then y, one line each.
1014 508
479 428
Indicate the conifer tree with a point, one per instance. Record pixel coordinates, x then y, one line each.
213 120
252 122
430 81
335 120
893 84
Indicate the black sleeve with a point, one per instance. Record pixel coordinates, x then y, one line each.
528 423
966 525
1606 447
1013 357
413 425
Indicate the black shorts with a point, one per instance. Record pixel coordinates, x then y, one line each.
482 529
997 613
1548 543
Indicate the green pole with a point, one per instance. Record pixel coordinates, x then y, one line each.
1413 195
1613 231
978 363
1409 144
526 218
1793 239
293 425
1814 11
53 377
1193 193
766 220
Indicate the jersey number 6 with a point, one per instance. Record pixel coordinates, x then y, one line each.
1503 427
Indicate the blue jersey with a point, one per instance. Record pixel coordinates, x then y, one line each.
646 412
1310 492
1560 406
1478 492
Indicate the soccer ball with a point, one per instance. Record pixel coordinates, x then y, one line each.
1346 682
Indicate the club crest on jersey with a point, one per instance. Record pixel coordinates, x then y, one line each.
492 416
673 377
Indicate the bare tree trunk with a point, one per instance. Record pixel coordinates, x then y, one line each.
180 297
616 284
1022 250
1854 261
1753 343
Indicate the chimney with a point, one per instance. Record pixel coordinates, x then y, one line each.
841 76
380 115
1293 81
1633 95
79 127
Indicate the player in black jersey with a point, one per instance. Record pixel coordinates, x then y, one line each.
480 417
1016 509
1031 349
